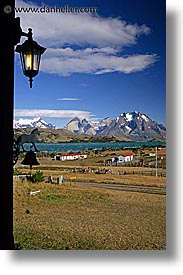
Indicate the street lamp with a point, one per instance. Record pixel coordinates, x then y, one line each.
30 54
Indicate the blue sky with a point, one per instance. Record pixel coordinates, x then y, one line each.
96 65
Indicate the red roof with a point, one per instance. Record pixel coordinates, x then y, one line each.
69 155
127 155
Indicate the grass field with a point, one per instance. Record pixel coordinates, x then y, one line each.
82 218
72 217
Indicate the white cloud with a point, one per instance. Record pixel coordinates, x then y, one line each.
44 113
95 61
58 29
68 98
100 41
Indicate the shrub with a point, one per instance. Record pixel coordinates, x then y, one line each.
37 177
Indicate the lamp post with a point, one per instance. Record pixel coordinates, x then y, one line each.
11 33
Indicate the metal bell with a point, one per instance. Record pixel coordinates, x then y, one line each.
30 159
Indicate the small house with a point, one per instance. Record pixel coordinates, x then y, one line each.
123 158
70 156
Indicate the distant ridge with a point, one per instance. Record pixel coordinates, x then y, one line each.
135 126
48 135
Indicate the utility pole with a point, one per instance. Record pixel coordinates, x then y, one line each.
156 161
6 119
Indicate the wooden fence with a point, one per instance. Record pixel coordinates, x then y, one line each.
145 173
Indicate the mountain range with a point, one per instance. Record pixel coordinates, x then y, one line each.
134 126
36 122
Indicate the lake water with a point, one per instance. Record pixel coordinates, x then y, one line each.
66 147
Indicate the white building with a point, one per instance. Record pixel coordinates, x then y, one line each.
152 154
70 156
122 158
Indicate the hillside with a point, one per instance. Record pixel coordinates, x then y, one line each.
64 135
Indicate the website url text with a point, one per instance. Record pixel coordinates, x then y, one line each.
65 9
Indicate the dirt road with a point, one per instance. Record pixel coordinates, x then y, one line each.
129 188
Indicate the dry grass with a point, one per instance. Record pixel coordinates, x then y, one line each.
136 179
73 217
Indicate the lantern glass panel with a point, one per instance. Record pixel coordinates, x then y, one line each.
22 62
28 61
36 60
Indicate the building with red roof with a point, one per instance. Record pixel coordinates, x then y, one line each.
123 158
68 156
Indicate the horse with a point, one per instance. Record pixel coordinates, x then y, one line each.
28 138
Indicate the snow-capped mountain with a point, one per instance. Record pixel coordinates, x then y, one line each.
83 126
32 123
134 125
